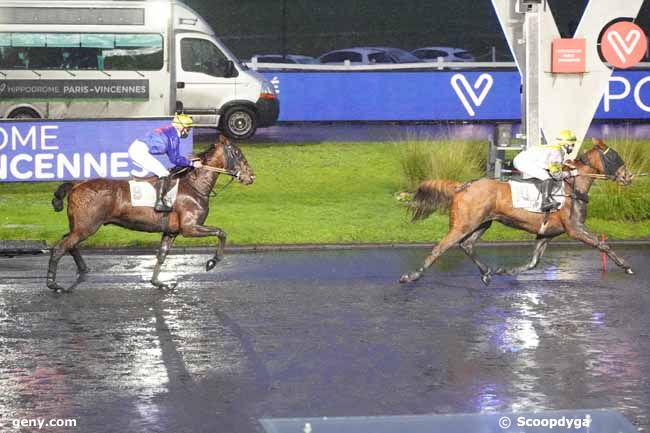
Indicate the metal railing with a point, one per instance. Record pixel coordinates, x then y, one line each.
348 66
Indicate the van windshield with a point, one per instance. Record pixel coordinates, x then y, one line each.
232 56
204 56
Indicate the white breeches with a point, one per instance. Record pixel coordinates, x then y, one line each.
139 153
530 168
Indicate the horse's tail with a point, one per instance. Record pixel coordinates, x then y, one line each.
432 195
59 195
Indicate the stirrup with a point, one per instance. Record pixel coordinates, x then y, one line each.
161 207
550 206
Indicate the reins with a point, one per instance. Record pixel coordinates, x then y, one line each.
232 175
214 194
235 175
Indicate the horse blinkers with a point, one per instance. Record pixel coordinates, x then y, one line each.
610 159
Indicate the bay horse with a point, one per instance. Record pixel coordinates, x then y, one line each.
475 205
96 202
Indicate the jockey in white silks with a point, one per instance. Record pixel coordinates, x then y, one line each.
163 141
544 162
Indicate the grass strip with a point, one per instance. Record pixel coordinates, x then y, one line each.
309 193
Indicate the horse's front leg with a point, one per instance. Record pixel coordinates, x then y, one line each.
202 231
579 232
165 245
540 247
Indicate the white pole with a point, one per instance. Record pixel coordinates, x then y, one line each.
532 35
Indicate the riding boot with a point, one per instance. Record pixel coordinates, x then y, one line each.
546 188
161 190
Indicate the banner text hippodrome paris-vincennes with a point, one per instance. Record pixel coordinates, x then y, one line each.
69 150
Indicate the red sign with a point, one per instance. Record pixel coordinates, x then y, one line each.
623 44
568 56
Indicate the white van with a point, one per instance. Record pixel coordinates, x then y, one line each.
120 59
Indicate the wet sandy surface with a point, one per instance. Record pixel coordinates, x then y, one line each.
321 333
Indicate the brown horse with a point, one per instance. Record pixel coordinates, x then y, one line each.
96 202
475 205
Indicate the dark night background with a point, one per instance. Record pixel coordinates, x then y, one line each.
314 27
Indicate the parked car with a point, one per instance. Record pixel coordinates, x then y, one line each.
279 58
369 56
448 54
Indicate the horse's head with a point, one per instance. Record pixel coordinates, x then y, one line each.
605 160
226 156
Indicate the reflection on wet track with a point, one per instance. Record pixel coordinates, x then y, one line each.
321 333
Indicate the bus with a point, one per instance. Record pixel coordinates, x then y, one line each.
76 59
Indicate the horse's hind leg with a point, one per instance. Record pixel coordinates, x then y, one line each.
67 243
452 238
79 261
540 247
165 245
467 245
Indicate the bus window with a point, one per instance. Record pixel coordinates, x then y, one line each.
90 51
200 55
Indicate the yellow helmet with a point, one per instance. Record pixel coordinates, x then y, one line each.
566 137
183 120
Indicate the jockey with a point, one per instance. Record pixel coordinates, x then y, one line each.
165 140
544 162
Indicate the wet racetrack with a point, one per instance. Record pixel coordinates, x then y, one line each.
321 333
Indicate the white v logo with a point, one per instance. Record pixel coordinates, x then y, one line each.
484 80
627 45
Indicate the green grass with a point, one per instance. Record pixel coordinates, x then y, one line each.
321 193
441 159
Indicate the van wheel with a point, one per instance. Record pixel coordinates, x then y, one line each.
239 123
24 113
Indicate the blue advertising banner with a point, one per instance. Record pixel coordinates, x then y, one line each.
433 95
627 97
72 150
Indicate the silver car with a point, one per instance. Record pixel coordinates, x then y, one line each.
369 56
448 54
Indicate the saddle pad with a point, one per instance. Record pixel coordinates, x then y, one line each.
526 195
144 194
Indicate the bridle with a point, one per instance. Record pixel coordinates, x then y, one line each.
610 160
230 155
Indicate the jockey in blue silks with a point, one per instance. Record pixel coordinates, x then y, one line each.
163 141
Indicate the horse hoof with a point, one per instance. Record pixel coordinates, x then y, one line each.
501 271
210 265
629 271
164 286
55 288
486 278
410 278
